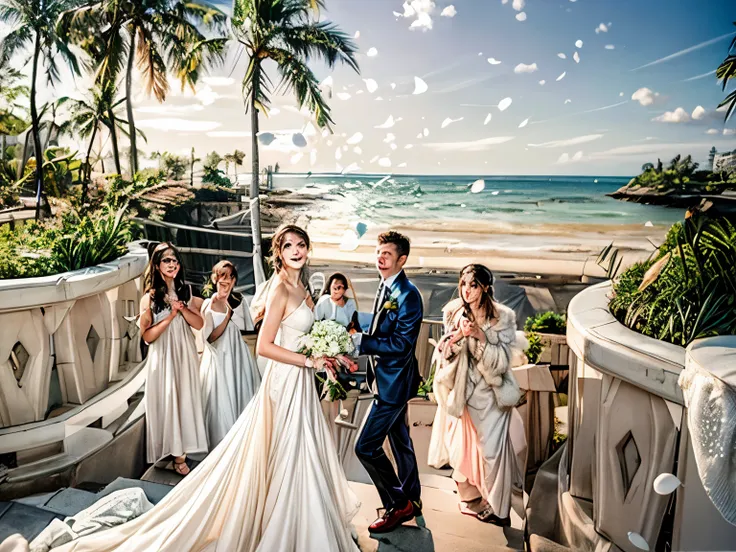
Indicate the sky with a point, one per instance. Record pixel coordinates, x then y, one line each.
589 87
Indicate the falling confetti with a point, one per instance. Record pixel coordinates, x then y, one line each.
313 157
401 165
393 146
648 224
375 159
576 57
349 241
561 56
384 162
562 76
343 96
389 123
390 137
370 85
504 104
351 168
523 123
610 47
488 119
602 28
372 52
357 150
477 187
357 35
425 132
493 61
578 43
447 122
518 5
420 135
542 82
356 138
449 11
420 87
338 154
578 156
567 101
521 16
393 86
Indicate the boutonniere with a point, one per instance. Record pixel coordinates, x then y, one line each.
391 303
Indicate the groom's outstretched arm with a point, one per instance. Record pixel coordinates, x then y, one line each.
401 341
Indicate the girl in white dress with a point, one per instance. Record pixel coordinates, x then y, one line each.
476 428
334 303
229 375
274 483
173 396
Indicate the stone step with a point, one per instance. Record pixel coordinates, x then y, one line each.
29 521
155 492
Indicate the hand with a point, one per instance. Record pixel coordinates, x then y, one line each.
325 364
348 363
176 306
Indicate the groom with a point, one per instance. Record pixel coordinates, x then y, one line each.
393 376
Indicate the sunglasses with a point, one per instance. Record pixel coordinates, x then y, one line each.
169 260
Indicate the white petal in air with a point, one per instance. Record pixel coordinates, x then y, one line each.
393 146
374 159
388 124
578 43
356 138
449 11
401 165
477 187
610 47
349 241
390 137
352 167
562 76
408 146
521 16
493 61
357 150
343 96
447 122
384 162
542 82
578 156
523 123
561 56
488 119
356 35
420 87
370 85
382 181
372 52
504 104
393 86
425 132
649 224
296 158
567 101
338 154
312 157
518 5
665 483
576 57
637 540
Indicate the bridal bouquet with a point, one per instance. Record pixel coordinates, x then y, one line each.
329 339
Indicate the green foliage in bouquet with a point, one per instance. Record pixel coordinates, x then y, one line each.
688 290
535 348
546 322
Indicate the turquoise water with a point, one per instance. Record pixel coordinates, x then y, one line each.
508 199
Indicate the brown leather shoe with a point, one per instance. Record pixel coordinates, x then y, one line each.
392 518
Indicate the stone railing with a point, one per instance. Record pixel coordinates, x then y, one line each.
627 426
65 338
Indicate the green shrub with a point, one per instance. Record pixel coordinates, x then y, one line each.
546 322
690 291
535 348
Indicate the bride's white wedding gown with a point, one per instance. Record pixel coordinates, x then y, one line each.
274 483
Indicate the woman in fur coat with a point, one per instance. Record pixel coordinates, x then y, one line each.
477 430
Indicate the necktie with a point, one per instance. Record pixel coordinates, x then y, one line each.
379 296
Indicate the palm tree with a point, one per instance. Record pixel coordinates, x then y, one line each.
237 158
725 72
159 36
192 161
89 117
288 33
34 26
227 158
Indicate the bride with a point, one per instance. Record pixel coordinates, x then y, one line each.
274 483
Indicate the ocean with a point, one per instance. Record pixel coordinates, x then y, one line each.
503 199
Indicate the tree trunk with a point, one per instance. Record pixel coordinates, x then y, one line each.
25 155
88 168
3 147
36 130
114 137
255 205
129 106
191 168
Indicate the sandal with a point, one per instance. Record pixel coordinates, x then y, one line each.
182 468
487 516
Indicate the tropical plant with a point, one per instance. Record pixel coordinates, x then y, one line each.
159 36
725 72
535 347
688 290
33 24
212 173
289 33
236 158
548 322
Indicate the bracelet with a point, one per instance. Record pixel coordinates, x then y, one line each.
308 363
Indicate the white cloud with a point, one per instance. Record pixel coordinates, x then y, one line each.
476 145
164 109
218 81
568 142
712 131
206 95
230 134
176 124
602 28
651 151
679 115
645 96
421 11
729 131
564 158
518 5
524 68
449 11
521 16
698 113
609 47
343 96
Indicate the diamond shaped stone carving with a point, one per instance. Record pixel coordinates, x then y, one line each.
629 460
18 360
93 339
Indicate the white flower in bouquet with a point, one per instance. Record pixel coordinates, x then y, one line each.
327 338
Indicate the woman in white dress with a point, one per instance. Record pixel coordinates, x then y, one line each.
173 396
229 375
477 430
334 303
274 483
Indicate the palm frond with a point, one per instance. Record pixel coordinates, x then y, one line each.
321 40
152 66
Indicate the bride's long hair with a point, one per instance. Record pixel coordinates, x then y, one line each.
483 278
258 305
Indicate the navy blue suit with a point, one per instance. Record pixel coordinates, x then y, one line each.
393 373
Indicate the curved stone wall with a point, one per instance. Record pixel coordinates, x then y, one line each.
64 338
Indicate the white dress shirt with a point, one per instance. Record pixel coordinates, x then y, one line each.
385 284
